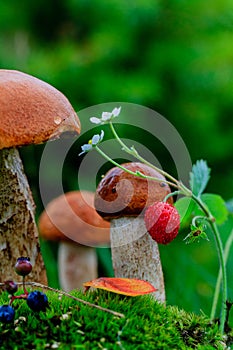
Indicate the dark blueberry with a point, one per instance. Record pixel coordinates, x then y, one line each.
7 314
23 266
37 301
10 286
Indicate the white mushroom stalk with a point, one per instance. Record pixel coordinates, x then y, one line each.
135 254
18 232
77 265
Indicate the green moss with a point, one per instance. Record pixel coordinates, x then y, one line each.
69 324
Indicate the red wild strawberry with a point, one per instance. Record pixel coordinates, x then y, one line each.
162 221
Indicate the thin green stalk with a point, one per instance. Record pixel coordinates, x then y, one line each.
171 195
221 259
218 283
135 153
199 217
137 173
224 275
203 207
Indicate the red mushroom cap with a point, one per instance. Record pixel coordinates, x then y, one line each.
32 111
72 216
122 194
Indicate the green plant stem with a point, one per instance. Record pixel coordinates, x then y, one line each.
218 283
171 195
133 151
221 259
137 173
224 275
196 218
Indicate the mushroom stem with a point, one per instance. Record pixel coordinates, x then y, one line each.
77 264
135 254
18 231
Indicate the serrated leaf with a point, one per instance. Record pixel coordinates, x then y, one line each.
185 207
199 177
126 286
217 206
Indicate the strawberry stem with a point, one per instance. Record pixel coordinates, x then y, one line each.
218 283
222 264
175 193
224 276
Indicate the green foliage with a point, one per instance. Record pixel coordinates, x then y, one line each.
216 206
185 207
71 325
199 177
172 56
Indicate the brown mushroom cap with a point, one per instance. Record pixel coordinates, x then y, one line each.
122 194
72 216
32 111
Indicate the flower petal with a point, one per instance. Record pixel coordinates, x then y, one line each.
85 148
106 116
101 135
95 139
95 120
116 111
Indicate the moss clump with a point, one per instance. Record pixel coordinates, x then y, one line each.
68 324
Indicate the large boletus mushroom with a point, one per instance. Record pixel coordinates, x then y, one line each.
72 220
31 112
122 198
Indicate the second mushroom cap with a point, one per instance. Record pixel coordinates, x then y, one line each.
122 194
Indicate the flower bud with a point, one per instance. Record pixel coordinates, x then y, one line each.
23 266
10 286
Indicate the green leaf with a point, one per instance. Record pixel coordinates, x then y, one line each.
185 207
217 206
199 177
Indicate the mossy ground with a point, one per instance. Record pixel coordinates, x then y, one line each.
69 324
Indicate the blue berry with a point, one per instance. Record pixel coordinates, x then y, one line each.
37 301
23 266
7 314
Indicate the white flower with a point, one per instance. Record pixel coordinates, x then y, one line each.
106 116
96 139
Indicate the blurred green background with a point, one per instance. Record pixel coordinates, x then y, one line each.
175 57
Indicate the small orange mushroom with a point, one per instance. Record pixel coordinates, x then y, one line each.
72 220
